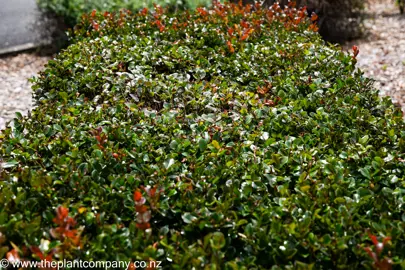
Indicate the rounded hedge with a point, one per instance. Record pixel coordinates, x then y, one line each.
71 11
229 138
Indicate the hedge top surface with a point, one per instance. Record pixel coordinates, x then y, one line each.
227 138
72 10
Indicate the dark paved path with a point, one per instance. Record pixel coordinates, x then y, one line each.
20 25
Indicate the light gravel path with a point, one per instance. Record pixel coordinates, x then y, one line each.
15 90
382 52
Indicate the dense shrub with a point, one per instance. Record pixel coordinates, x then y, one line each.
71 10
220 139
339 20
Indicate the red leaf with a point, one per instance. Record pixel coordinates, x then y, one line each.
37 252
386 239
143 226
262 90
244 24
230 31
371 254
95 26
71 234
355 51
158 10
12 256
373 239
61 215
314 17
144 11
245 36
160 25
246 33
269 102
137 196
202 11
153 192
385 264
313 27
70 221
230 47
50 255
141 208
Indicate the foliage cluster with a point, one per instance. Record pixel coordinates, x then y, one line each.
339 20
72 10
213 139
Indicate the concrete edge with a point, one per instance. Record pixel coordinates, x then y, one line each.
21 47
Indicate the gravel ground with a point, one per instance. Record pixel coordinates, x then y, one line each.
15 90
382 52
